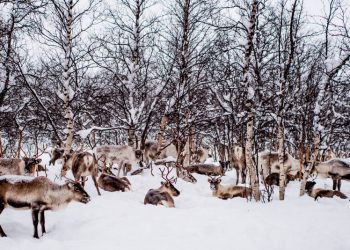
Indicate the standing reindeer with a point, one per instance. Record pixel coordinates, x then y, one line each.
82 164
163 194
38 194
24 166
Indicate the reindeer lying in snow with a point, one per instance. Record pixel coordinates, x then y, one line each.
206 169
319 192
38 194
229 191
163 194
336 169
111 183
82 164
26 166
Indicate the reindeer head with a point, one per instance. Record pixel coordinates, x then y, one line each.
30 165
186 175
225 165
79 194
214 183
309 185
138 154
168 183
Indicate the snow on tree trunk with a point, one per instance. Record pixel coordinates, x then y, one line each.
250 104
67 90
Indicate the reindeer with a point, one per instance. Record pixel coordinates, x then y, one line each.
82 164
229 191
122 155
109 182
38 194
237 159
163 194
274 179
56 154
319 192
165 150
336 169
268 163
26 166
201 154
206 169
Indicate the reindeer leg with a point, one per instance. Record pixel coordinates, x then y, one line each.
244 176
95 182
237 174
42 222
82 180
35 215
2 207
339 184
120 167
334 182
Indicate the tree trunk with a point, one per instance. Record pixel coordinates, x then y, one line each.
132 136
160 137
67 91
250 104
280 138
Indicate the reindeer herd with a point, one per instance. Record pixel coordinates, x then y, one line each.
20 189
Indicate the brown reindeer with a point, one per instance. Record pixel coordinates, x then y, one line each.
165 150
201 154
163 194
206 169
26 166
56 154
274 178
111 183
228 191
320 193
38 194
82 164
122 155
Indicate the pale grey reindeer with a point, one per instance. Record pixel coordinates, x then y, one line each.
24 166
38 194
336 169
122 155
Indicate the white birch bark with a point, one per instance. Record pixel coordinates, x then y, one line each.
250 104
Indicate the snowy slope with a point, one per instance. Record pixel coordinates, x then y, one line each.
199 221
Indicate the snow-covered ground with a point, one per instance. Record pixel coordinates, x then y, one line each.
199 221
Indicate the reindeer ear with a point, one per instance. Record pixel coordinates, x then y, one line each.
208 179
219 180
24 158
162 182
38 160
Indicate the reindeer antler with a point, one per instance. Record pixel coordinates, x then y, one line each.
165 176
37 155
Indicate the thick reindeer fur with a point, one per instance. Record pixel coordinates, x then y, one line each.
151 150
162 195
336 169
26 166
268 163
320 193
206 169
82 164
237 159
201 154
122 155
57 153
112 183
38 194
228 191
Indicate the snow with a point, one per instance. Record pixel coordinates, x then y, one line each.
199 221
16 178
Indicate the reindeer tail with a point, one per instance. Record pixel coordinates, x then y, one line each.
340 194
